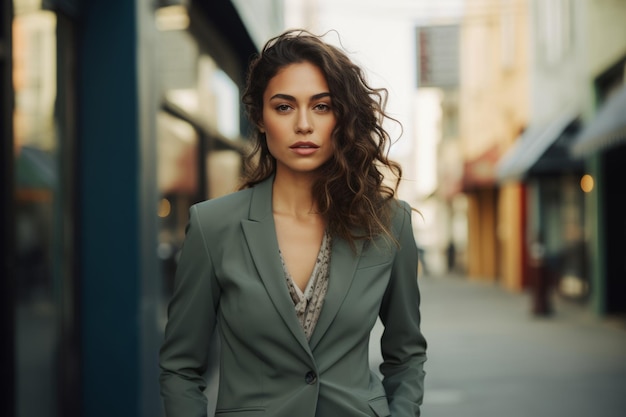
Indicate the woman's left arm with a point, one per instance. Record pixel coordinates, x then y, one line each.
403 346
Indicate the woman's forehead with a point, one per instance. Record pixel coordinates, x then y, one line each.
298 79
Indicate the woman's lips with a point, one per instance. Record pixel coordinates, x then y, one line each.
304 148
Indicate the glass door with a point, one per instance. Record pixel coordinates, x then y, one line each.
45 356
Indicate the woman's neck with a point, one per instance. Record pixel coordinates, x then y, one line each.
292 195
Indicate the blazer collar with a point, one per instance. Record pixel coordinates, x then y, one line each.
343 263
260 232
261 202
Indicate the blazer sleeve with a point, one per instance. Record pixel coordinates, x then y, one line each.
403 346
191 321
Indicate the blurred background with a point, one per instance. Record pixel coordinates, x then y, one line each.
117 115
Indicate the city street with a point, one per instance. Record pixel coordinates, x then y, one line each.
489 357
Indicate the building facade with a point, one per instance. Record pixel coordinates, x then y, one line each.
117 115
539 162
494 109
566 158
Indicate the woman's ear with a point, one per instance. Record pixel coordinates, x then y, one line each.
261 127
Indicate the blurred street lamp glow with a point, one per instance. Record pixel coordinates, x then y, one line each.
165 208
586 183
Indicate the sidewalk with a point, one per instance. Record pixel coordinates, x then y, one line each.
489 357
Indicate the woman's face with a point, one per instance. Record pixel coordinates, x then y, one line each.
298 119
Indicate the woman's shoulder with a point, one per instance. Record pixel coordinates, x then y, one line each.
238 205
401 213
229 206
400 209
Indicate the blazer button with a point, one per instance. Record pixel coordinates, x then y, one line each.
310 378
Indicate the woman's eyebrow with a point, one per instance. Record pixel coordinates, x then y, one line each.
292 98
320 95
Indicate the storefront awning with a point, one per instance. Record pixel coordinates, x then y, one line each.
607 129
531 146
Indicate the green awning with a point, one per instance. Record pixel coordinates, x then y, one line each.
534 145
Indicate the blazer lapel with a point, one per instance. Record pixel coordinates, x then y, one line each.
343 263
260 233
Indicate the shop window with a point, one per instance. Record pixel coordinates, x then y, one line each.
177 176
37 182
224 169
199 148
226 96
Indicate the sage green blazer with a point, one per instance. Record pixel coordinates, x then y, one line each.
230 276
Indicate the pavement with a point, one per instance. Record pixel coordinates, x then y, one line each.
488 356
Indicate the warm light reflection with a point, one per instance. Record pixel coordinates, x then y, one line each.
586 183
172 18
165 208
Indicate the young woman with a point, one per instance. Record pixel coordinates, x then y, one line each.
295 267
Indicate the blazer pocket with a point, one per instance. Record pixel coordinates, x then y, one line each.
380 406
374 256
241 412
372 263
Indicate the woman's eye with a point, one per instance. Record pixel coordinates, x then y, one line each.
322 107
283 108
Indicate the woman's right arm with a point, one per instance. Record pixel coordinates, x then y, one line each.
191 321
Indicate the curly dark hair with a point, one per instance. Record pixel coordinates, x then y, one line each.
350 191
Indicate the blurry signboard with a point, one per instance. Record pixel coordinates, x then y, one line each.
438 56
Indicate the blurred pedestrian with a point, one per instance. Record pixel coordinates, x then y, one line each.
295 267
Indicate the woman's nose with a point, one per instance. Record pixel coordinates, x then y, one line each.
303 123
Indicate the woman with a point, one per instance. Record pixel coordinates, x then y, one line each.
295 267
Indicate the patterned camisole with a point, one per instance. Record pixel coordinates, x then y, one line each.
308 304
